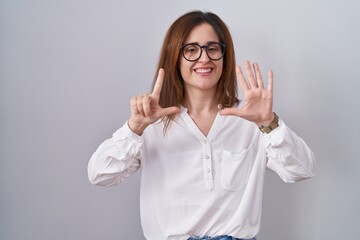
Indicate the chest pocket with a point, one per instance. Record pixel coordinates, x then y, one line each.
236 168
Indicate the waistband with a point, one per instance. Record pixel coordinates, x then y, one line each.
219 238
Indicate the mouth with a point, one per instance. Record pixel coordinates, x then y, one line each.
203 70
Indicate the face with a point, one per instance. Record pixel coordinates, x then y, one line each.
204 73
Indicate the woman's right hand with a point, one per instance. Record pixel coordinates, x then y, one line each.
145 108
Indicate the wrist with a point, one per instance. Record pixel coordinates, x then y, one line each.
136 128
266 121
267 128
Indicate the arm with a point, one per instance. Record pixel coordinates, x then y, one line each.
119 157
116 158
288 155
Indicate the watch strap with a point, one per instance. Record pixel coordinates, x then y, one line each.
274 124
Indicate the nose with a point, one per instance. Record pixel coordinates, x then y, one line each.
204 57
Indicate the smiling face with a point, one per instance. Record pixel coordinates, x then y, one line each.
204 73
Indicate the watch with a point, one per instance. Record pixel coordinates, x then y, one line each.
274 124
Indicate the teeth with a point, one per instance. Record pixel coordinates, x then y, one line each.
203 70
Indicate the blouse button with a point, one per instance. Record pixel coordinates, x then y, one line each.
207 156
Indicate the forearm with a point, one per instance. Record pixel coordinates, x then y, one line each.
288 155
116 158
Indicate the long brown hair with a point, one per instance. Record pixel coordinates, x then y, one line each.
173 90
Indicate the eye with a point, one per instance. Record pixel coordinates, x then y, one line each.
191 49
213 48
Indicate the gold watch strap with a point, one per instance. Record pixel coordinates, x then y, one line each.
274 124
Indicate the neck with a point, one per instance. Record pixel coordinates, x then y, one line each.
200 102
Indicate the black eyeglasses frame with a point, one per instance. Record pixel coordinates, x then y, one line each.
223 48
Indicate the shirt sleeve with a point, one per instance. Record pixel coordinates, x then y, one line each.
116 158
288 155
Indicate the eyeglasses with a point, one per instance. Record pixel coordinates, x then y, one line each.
192 51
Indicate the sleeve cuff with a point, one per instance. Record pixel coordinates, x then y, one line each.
125 133
278 133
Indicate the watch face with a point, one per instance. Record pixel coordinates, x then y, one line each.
274 124
266 129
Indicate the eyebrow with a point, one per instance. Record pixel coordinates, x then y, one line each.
207 43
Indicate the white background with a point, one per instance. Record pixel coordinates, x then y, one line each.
69 68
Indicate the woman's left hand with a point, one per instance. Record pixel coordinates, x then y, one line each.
257 106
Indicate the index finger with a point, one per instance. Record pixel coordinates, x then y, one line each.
270 81
159 82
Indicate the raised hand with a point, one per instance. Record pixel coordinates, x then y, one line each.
258 101
145 108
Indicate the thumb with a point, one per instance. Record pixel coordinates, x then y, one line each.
169 111
230 111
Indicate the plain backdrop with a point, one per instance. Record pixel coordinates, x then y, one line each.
68 69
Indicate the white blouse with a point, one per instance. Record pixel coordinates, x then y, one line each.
196 185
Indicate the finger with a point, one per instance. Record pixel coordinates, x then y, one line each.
133 105
259 78
159 82
231 111
168 111
228 111
270 81
240 76
146 100
139 105
250 75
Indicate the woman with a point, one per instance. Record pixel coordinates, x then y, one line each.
202 155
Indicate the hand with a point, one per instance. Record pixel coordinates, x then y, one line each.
257 100
145 108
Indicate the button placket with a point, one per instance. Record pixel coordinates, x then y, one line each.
207 162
